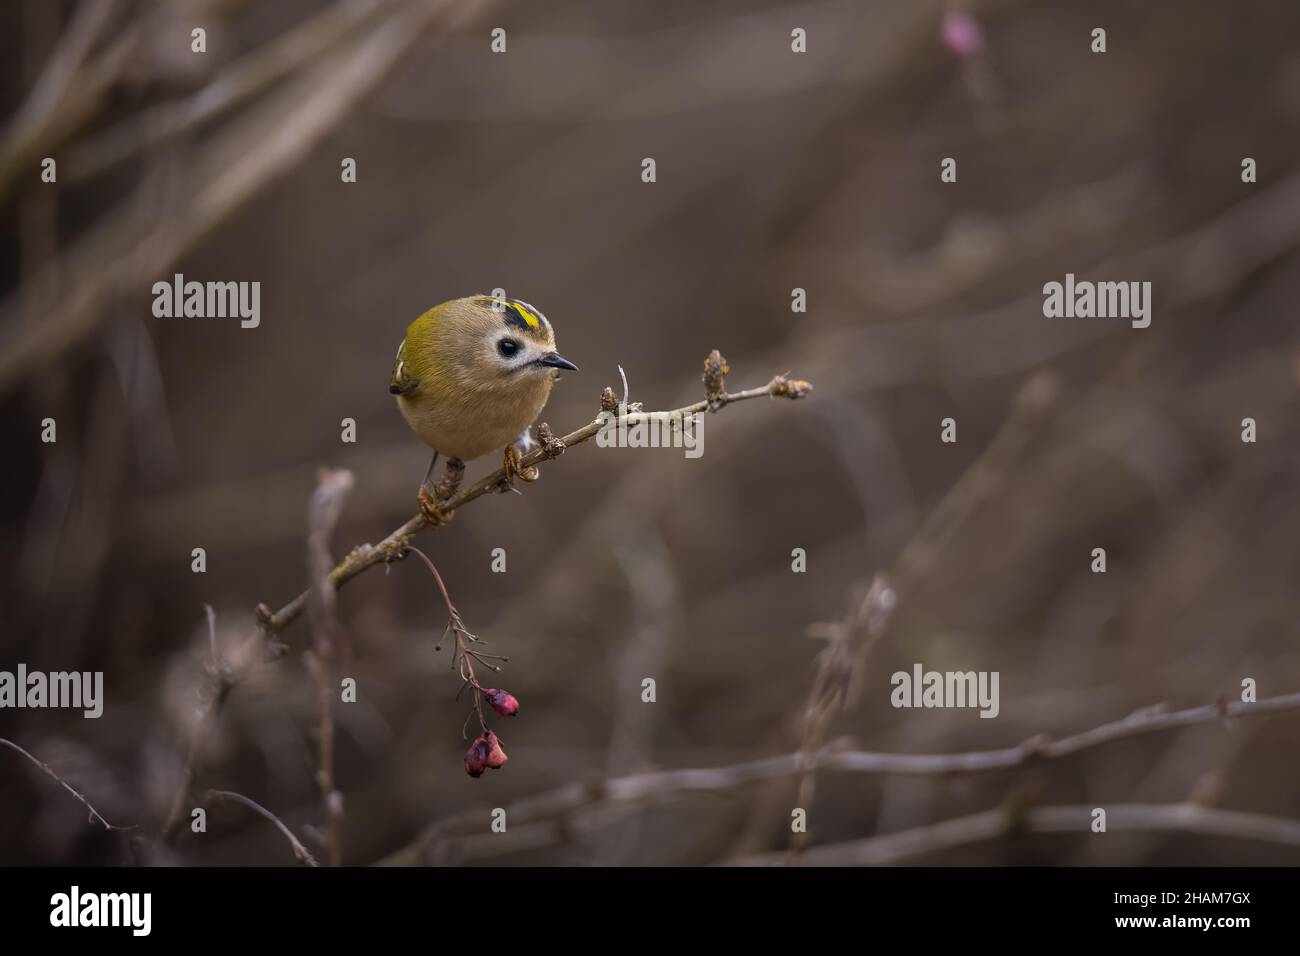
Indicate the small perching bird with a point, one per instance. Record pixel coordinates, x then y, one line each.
471 376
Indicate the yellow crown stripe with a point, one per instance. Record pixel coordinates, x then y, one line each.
528 316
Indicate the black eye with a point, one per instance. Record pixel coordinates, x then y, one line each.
507 347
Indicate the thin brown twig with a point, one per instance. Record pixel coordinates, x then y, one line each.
462 658
301 852
221 681
836 667
662 785
394 546
45 768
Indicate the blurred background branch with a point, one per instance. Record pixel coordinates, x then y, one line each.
777 172
593 800
994 824
45 769
300 852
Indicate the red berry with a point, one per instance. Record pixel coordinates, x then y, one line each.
496 758
484 753
503 702
476 758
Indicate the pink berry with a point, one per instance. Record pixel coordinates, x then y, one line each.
484 753
476 758
502 702
496 758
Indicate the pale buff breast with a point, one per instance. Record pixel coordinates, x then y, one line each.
469 425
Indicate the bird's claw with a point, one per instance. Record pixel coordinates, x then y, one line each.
431 509
511 465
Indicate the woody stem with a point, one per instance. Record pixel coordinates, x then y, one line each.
462 653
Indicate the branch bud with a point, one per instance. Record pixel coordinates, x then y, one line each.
715 376
791 388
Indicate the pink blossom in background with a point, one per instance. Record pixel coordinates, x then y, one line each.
962 34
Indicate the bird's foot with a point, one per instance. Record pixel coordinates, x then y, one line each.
433 503
431 509
512 466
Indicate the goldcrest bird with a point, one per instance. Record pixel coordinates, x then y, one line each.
471 376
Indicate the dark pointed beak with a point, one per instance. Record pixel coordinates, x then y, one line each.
556 360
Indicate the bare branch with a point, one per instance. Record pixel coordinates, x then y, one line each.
842 665
993 824
71 88
219 681
45 768
126 252
241 81
462 658
212 635
301 852
322 516
393 547
667 784
396 546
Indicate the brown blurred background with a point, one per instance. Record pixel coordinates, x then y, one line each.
775 170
